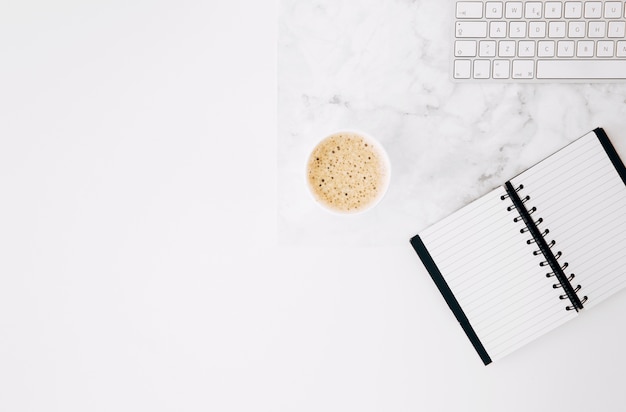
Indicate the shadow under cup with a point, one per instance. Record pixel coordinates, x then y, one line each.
348 172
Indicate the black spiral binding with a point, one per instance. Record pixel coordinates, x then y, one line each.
544 248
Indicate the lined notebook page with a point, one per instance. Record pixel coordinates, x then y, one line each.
494 276
582 200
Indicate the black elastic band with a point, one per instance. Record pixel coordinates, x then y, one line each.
543 247
610 151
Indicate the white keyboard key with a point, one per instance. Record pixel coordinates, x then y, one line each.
581 69
597 29
613 9
576 29
497 29
584 48
552 10
482 69
556 29
506 48
469 9
513 10
501 69
593 9
621 49
487 48
493 10
462 69
465 48
471 29
573 9
605 48
617 29
523 69
526 48
565 48
537 29
545 48
517 29
533 10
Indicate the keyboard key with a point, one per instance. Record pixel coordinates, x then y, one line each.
462 69
573 9
471 29
533 10
523 69
469 9
585 48
482 69
621 49
465 48
487 48
545 48
526 48
605 48
517 29
506 48
597 29
537 29
556 29
552 10
593 9
576 29
493 10
617 29
581 69
497 29
565 48
513 10
501 69
613 9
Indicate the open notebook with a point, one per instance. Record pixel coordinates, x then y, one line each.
528 256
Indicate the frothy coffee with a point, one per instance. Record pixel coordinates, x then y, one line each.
347 172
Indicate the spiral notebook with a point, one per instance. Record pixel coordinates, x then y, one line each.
533 253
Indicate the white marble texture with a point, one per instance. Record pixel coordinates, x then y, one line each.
383 67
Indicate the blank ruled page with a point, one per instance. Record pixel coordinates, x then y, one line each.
582 201
494 276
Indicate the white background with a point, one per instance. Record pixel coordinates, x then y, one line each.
139 268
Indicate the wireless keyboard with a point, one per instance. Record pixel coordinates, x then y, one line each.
540 41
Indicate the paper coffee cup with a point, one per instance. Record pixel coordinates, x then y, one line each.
348 172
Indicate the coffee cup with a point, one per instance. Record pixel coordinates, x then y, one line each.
348 172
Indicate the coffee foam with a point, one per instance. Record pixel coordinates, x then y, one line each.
347 172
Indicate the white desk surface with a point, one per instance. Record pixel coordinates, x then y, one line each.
142 263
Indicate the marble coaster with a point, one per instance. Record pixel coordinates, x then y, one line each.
384 68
